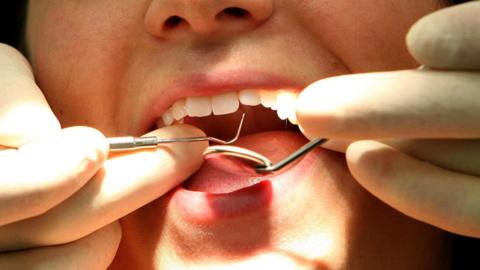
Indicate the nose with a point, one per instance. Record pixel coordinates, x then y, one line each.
174 18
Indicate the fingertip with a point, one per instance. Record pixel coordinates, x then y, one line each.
192 131
89 139
15 61
192 152
187 155
421 42
316 98
337 107
317 109
369 162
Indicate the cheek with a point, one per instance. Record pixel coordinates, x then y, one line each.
78 54
366 35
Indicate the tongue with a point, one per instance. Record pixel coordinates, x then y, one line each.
221 174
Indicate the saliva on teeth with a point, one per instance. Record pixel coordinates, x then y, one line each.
281 101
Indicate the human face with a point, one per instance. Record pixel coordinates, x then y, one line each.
118 65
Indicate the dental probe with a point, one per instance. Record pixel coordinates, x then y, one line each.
239 152
264 168
132 143
263 165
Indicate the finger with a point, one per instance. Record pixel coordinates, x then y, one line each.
94 252
126 183
448 39
421 190
455 155
401 104
40 175
25 115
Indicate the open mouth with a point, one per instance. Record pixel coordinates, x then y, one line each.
265 110
270 128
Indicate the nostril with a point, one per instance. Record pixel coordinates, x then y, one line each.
173 22
234 12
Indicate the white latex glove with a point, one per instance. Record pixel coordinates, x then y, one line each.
416 132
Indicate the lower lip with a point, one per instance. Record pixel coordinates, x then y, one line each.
202 208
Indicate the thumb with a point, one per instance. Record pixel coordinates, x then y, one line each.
25 115
448 38
421 190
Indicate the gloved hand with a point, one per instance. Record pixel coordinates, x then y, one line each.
60 197
411 137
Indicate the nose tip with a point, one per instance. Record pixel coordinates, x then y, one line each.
171 18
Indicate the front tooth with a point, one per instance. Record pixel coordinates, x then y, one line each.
269 98
286 104
198 106
249 97
225 103
167 118
178 110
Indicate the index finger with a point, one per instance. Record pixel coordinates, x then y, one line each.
399 104
448 38
127 182
24 112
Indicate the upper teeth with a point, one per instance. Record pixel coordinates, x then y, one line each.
283 101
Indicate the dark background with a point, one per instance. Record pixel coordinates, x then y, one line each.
466 250
10 20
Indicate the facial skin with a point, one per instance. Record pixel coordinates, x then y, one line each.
100 63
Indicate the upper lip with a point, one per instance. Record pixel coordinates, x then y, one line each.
209 84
